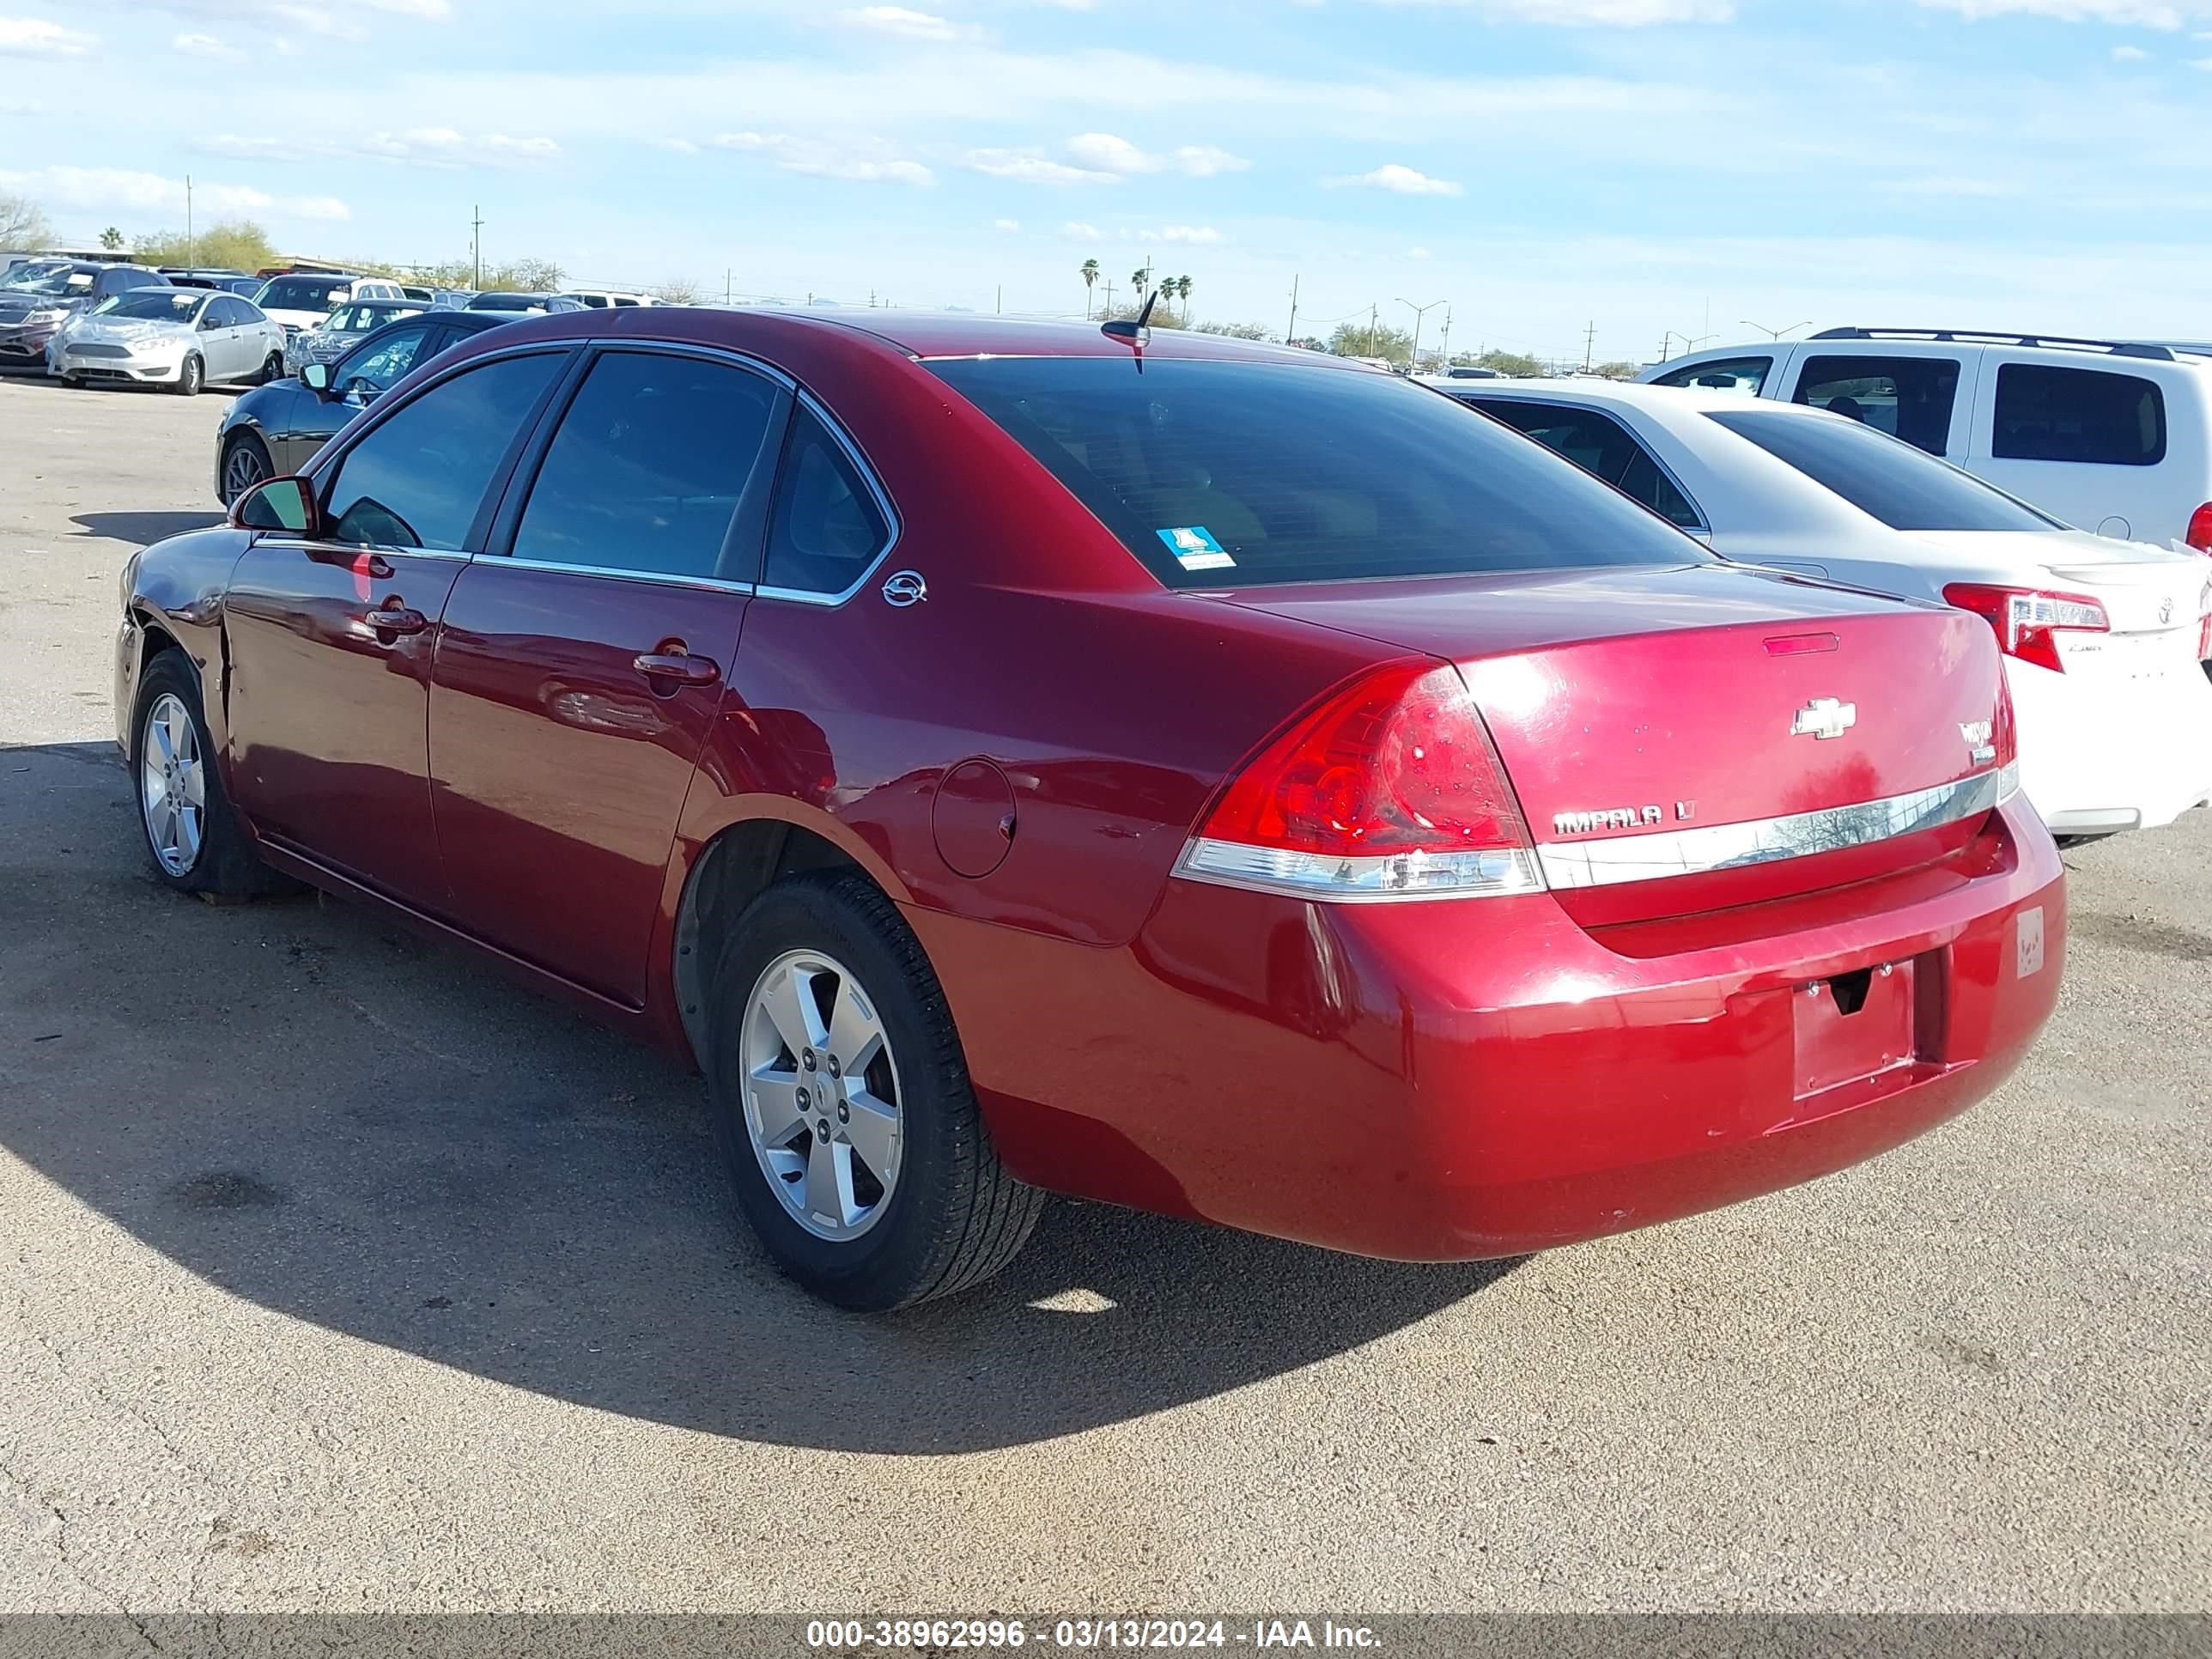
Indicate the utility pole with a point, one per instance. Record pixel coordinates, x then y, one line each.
728 274
1589 341
1290 334
475 242
999 305
1443 352
191 244
1373 311
1420 313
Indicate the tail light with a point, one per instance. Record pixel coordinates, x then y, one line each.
2028 621
1388 788
2200 529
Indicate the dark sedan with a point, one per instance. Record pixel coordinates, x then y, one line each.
36 301
276 428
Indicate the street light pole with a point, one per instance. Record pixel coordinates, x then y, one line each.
1774 333
1420 313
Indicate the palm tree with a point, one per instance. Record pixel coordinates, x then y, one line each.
1090 274
1182 293
111 239
1142 280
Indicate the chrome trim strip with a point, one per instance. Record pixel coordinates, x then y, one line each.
659 578
1394 878
1622 859
277 538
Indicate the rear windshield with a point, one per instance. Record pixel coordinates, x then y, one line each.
304 294
1903 487
1230 474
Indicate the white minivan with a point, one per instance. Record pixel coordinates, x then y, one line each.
2112 437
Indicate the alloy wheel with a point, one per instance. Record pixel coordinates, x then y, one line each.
242 469
172 784
822 1099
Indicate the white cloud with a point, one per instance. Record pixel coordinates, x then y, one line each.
1584 14
1417 253
681 146
36 37
2143 14
1399 180
1956 187
1007 225
1024 168
1196 235
870 163
1076 231
151 192
2129 55
203 45
432 147
901 23
336 21
1107 153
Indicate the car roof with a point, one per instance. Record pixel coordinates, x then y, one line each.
1661 400
939 334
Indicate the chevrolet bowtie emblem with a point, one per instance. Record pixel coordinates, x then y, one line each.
1825 718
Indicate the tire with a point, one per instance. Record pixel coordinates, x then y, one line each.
948 1216
245 463
209 854
191 378
272 369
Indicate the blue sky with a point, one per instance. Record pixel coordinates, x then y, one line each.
1540 165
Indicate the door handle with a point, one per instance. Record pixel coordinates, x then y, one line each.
396 619
678 666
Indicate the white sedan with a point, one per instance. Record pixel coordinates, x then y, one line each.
2103 639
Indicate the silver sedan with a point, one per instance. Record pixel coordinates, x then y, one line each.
180 338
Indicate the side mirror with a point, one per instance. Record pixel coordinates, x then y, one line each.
316 377
207 323
286 505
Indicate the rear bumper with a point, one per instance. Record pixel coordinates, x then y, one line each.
2103 755
1455 1081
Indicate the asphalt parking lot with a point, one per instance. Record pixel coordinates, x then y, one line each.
340 1274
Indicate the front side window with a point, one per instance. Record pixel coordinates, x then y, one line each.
1238 474
303 294
647 470
2084 416
1744 375
1893 481
418 478
826 530
1598 444
1908 397
223 312
379 366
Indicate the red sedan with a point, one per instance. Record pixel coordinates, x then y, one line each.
1015 756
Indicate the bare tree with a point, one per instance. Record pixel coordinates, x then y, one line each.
678 291
22 226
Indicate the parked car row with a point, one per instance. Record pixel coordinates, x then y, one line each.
1196 775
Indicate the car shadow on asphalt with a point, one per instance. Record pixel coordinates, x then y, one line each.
313 1109
144 529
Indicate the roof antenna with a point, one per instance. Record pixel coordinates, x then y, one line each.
1135 335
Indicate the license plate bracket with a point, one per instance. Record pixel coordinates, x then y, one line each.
1854 1026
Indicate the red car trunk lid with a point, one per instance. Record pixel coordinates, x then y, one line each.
1641 705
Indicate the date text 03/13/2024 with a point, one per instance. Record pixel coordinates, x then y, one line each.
942 1634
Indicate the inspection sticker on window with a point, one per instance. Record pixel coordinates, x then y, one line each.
2029 941
1196 549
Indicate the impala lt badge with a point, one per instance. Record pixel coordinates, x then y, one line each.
1825 718
1619 818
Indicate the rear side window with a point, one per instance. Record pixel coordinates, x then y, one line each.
1891 481
1240 474
1598 444
417 479
648 468
1907 398
826 530
1745 375
2079 414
